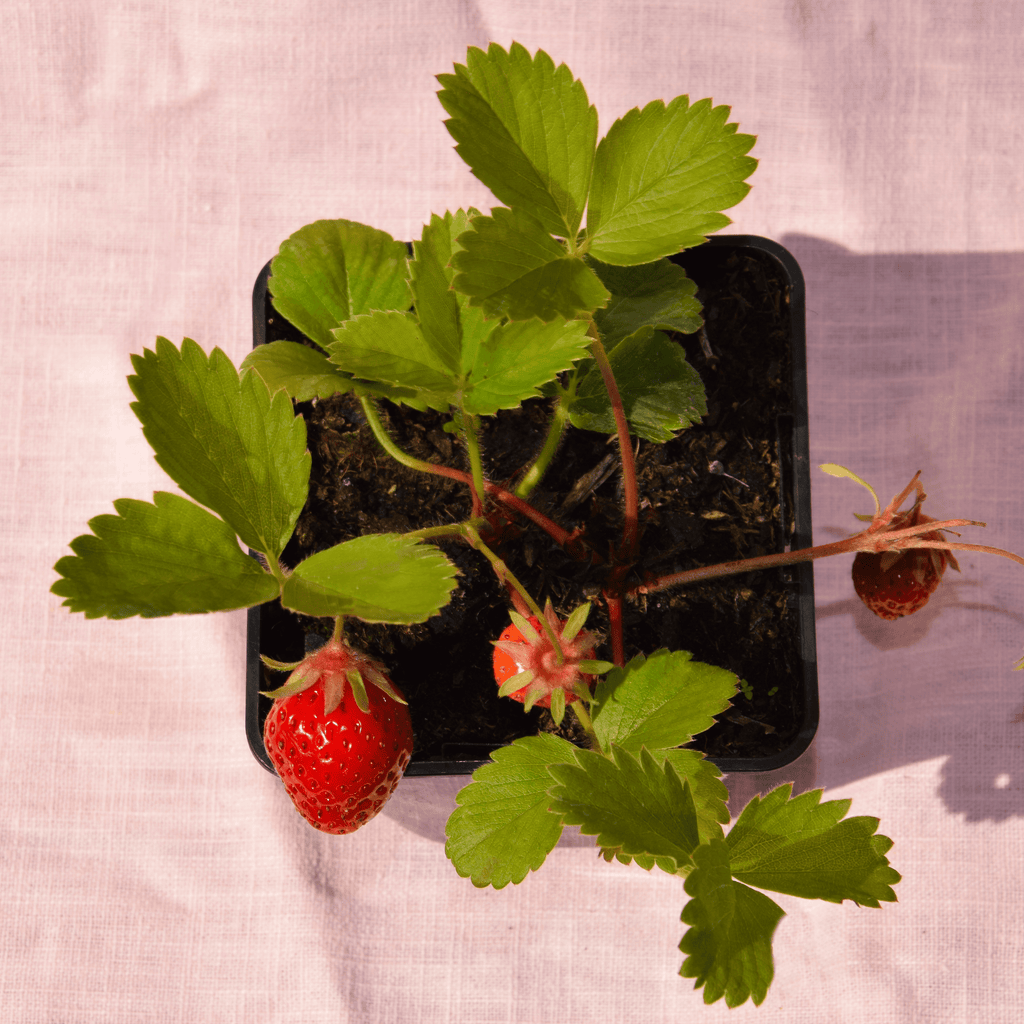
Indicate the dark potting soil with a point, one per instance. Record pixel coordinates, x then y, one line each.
717 492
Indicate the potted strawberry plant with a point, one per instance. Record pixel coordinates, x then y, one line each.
749 355
460 382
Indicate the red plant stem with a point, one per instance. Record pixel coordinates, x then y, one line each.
710 572
614 603
630 530
872 543
560 536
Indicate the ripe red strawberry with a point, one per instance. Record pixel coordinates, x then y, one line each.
339 762
526 650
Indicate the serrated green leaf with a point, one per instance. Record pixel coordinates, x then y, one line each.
305 374
526 130
381 577
331 270
511 267
801 847
301 371
710 793
517 358
449 326
637 808
391 348
223 440
166 558
657 295
660 701
661 392
729 942
502 829
661 177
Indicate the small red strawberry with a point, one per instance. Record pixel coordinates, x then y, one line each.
525 655
897 583
339 746
900 569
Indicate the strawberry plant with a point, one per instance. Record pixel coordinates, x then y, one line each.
562 300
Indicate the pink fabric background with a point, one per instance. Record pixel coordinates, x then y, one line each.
154 155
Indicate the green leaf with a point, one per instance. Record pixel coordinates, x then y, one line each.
729 942
526 130
658 295
223 440
661 701
661 392
305 373
332 270
511 267
452 356
166 558
517 358
301 371
709 791
391 348
450 328
502 829
636 808
381 577
661 176
801 847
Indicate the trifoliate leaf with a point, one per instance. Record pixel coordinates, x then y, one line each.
502 829
661 176
801 847
661 392
482 374
223 440
391 348
381 577
517 358
658 295
511 267
166 558
332 270
729 943
637 808
303 372
526 130
661 701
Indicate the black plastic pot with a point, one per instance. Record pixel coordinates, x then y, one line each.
280 635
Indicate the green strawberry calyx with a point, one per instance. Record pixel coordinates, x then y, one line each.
336 666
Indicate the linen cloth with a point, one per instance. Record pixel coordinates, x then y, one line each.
154 156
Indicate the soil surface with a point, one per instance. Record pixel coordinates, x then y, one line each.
717 492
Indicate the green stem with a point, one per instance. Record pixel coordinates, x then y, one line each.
505 574
384 438
448 530
507 498
476 468
547 453
580 711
